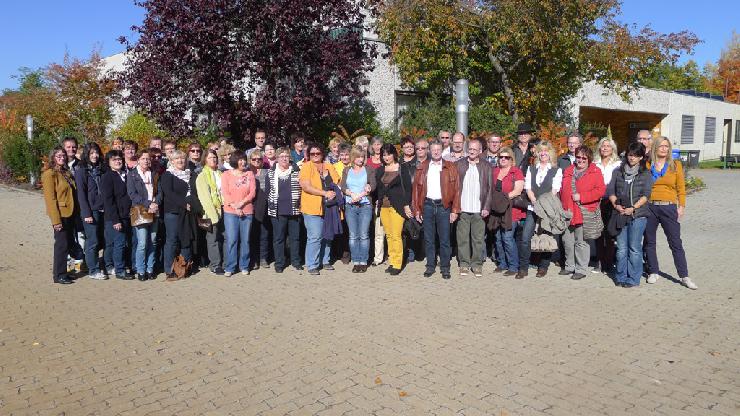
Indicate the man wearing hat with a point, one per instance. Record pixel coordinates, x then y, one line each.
523 149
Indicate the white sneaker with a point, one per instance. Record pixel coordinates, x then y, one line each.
464 271
245 272
688 283
227 274
653 278
98 276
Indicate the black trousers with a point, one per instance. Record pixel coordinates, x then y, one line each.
64 241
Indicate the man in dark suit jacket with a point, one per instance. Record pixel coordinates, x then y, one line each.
568 158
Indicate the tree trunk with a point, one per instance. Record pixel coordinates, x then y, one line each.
506 83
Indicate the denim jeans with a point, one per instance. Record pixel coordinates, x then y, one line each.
172 241
525 244
358 222
92 242
146 246
115 242
317 248
290 226
629 251
436 224
506 248
236 232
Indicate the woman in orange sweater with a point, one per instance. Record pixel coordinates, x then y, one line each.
238 191
667 202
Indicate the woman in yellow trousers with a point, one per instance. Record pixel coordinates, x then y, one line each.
394 200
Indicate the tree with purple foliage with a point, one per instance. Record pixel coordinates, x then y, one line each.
282 65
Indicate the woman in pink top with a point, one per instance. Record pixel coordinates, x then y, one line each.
237 191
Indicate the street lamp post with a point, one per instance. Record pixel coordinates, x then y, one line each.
29 136
462 105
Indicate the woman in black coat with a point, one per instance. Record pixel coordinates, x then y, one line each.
117 206
394 203
179 203
87 178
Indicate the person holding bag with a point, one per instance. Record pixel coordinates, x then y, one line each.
629 192
542 178
583 187
508 179
394 205
141 184
208 186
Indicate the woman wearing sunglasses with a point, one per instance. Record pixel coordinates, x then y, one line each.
508 179
316 178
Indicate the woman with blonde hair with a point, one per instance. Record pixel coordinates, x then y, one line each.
357 184
667 202
509 179
332 156
224 153
607 160
543 177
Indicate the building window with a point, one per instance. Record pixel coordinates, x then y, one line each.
687 129
737 131
710 129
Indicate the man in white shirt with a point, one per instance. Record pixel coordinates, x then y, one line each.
436 207
475 176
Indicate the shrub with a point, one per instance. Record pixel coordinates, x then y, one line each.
138 128
435 115
22 157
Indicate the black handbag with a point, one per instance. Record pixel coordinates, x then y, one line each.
412 228
520 201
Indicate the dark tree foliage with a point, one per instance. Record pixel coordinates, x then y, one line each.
282 65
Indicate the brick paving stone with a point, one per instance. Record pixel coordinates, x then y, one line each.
292 344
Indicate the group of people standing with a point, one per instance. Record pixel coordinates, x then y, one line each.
160 209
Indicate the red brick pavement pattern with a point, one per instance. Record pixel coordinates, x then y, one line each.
349 344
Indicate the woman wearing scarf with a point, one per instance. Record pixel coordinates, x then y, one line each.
582 189
629 192
141 183
178 202
283 191
59 195
238 191
208 185
667 202
89 196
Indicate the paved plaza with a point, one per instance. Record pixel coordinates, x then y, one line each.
371 344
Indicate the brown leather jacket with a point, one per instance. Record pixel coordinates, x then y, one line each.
484 178
450 187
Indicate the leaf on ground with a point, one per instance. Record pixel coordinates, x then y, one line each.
35 343
402 394
378 380
714 353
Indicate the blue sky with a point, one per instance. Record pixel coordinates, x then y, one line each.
37 32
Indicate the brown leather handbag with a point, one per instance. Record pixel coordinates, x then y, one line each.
140 215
